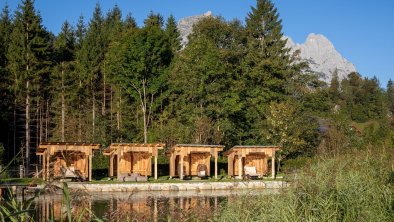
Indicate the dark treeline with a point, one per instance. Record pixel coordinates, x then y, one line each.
109 80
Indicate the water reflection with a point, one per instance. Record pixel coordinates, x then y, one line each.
139 206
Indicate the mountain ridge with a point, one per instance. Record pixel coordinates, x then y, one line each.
317 50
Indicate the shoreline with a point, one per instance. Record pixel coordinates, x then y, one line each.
187 186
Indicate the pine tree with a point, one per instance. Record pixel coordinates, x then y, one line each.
205 81
140 60
130 22
29 62
6 101
334 87
91 56
390 95
267 65
154 20
80 32
64 46
173 34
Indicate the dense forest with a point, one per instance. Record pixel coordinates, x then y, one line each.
234 83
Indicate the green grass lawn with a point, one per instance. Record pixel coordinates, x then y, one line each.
22 181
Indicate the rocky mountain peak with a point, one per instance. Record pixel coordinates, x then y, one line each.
322 56
318 50
185 25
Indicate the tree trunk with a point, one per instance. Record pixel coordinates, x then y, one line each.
41 124
103 107
111 113
47 122
93 113
63 105
27 123
143 106
118 115
15 126
37 119
79 116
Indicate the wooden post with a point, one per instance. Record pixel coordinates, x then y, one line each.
111 165
239 166
90 167
216 165
172 166
273 164
155 167
48 167
117 165
230 165
181 163
44 171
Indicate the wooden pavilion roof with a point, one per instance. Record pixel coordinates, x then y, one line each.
133 147
246 149
53 147
195 148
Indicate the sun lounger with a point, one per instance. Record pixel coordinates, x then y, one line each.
250 172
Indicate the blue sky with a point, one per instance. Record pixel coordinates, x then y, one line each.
362 31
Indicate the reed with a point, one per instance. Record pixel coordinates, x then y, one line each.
351 187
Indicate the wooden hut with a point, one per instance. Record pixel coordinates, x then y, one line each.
189 159
66 159
255 157
132 158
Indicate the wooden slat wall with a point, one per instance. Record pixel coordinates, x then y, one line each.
142 164
256 160
125 163
199 158
77 161
191 161
57 165
136 163
80 164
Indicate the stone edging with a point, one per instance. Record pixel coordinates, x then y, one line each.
132 187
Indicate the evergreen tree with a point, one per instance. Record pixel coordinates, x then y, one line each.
80 32
141 59
154 20
390 95
130 22
267 65
91 57
173 34
64 46
205 81
29 62
334 87
6 101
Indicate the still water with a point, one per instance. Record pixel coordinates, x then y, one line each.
140 206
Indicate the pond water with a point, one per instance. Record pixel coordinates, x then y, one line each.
140 206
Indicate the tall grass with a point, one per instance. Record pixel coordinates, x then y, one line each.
356 186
